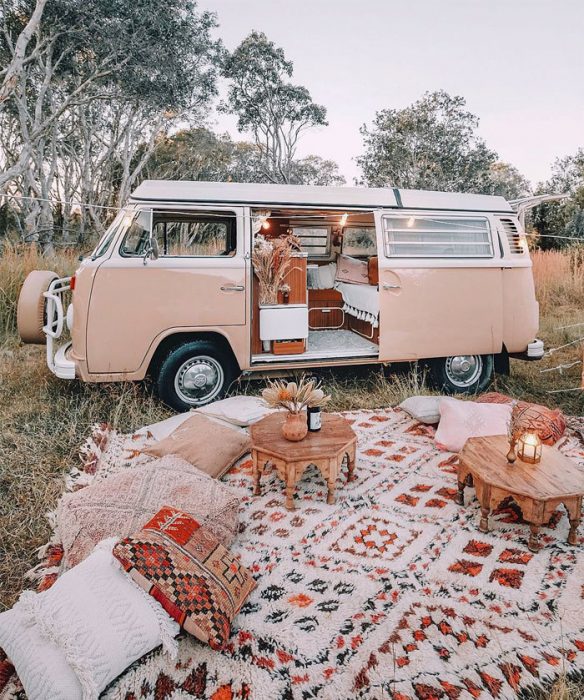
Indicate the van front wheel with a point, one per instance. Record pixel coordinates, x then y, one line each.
461 374
194 374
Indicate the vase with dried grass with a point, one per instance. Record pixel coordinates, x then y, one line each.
294 397
271 263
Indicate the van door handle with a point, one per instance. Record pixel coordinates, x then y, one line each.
233 288
385 285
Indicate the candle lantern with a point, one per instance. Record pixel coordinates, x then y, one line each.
529 446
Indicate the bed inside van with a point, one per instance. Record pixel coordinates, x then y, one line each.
334 276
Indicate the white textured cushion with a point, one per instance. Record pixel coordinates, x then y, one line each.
425 409
461 420
164 428
326 276
237 410
41 665
72 640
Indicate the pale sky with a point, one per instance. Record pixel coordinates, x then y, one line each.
518 63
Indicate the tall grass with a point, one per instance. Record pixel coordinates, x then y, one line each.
16 261
559 278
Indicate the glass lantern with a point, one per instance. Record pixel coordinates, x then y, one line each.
529 450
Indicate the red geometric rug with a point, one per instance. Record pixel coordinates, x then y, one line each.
392 592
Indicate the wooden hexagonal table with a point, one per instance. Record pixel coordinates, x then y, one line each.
538 489
326 449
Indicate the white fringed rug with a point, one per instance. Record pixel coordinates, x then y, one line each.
390 593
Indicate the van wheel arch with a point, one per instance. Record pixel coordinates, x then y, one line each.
178 352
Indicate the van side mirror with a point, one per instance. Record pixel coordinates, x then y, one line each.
152 251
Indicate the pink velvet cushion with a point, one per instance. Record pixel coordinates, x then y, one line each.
460 420
352 270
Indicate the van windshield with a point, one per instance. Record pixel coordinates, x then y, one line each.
109 235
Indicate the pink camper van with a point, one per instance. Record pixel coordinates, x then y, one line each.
379 276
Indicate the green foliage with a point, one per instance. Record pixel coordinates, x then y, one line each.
558 222
432 144
273 110
200 154
506 181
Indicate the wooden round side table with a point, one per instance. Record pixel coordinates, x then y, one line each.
326 449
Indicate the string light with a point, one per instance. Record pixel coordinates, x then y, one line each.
411 221
344 219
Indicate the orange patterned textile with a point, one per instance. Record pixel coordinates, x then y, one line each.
189 572
550 424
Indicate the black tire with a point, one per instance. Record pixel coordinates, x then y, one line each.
461 374
194 374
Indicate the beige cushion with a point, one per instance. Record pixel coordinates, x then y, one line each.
122 503
208 445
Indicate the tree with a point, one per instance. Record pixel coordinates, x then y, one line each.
557 223
506 181
199 154
90 91
314 170
432 144
269 107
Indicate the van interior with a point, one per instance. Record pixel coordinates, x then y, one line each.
334 275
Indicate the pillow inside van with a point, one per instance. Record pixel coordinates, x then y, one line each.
352 270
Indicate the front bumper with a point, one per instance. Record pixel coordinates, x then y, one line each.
534 351
63 367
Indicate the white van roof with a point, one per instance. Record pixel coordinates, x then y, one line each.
311 195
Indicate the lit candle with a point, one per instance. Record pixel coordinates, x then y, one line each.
530 448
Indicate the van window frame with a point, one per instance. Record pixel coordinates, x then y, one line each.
436 217
316 225
207 215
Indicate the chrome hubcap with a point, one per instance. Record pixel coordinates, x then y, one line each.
464 370
199 380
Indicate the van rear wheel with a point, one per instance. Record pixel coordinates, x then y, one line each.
461 374
194 374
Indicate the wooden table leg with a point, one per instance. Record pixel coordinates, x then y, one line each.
484 524
460 494
331 482
574 508
290 488
533 544
351 466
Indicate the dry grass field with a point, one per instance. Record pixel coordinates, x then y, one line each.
44 420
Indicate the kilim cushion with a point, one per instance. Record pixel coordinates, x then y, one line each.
120 504
189 572
549 424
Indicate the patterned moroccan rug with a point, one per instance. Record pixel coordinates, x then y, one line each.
390 593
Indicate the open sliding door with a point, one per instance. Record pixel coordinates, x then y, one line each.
440 285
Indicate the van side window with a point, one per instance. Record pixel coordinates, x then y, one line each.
195 236
314 240
437 237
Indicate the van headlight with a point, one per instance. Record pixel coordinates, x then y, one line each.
69 317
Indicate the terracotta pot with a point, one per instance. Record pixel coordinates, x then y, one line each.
295 427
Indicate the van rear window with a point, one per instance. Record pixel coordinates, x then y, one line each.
437 237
